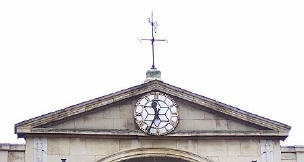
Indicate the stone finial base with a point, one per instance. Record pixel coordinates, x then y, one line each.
153 74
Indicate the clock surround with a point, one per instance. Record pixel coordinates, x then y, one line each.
156 113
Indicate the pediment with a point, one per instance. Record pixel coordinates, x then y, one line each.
113 115
121 117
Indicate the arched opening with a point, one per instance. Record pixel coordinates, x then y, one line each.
155 159
154 155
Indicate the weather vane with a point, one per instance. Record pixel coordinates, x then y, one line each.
154 31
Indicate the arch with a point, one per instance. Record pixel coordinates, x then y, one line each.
154 152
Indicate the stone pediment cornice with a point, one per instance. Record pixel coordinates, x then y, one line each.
154 85
138 134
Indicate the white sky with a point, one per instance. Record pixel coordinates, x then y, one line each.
58 53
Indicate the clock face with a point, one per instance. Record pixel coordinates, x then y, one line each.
156 113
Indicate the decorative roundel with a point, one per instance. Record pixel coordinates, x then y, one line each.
156 113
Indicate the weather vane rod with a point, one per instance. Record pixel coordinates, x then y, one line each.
154 31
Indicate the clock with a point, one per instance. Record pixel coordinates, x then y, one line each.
156 113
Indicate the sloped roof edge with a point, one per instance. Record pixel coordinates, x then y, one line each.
226 109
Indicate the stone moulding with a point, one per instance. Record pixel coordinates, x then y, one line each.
12 147
154 152
136 132
270 134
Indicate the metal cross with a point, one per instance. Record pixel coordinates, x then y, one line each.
154 30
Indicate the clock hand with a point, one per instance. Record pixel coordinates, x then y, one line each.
157 118
149 127
156 112
154 106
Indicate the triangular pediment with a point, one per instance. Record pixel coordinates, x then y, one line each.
113 115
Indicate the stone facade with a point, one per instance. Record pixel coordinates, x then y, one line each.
292 153
103 130
233 149
12 152
92 149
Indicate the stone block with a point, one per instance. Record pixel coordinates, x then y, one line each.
81 158
288 156
181 125
89 122
290 161
78 123
209 116
112 112
128 144
239 159
98 114
187 145
233 148
183 112
212 148
300 156
29 149
190 125
204 124
15 156
232 125
101 146
196 114
277 150
70 124
76 146
57 158
146 143
102 123
120 124
58 146
164 144
250 148
130 124
187 125
221 124
126 111
4 156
